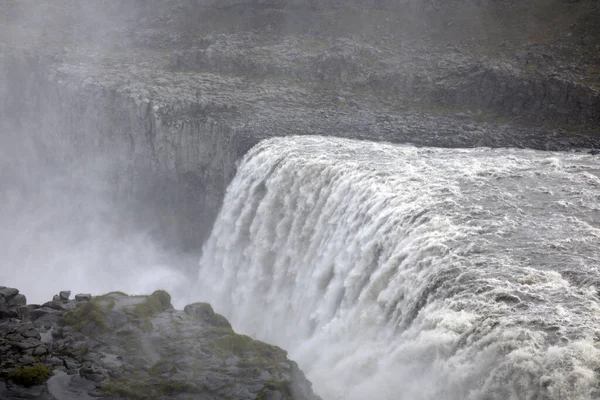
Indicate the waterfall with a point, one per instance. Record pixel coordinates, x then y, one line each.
398 272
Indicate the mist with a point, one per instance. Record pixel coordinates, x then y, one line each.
68 219
63 227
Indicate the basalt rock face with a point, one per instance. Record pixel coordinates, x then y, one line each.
138 347
171 94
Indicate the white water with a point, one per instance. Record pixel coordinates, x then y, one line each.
395 272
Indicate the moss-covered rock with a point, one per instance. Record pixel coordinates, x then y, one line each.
91 314
30 375
204 312
157 302
139 347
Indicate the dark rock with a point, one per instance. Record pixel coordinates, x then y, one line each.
64 295
8 292
39 312
27 343
23 313
26 360
17 301
40 351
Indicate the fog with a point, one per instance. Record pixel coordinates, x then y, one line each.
63 228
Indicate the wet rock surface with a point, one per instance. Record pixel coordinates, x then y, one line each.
138 347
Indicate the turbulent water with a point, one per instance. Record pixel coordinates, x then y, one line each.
397 272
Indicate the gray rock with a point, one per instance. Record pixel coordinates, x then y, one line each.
28 343
154 347
27 360
17 300
40 351
40 312
8 292
64 295
23 313
83 297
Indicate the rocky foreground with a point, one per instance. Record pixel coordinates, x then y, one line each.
117 346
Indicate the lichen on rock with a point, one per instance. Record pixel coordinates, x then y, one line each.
139 347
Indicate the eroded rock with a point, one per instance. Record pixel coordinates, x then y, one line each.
117 346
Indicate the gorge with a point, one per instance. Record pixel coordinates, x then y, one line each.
139 137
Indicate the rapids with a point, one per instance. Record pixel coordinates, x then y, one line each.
398 272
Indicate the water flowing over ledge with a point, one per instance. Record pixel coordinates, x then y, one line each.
415 273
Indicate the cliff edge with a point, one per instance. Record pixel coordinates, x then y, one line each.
117 346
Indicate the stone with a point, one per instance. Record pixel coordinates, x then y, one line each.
26 360
64 295
8 292
40 351
17 300
28 343
15 337
23 313
83 297
38 313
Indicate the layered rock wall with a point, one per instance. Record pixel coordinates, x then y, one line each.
175 170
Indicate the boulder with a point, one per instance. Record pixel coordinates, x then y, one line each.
8 292
64 295
83 297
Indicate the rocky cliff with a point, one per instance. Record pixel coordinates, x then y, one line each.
172 93
117 346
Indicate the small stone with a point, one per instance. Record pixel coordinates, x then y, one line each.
83 297
71 364
40 351
55 361
64 295
55 298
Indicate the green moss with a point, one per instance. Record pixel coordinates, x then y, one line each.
200 311
89 313
30 376
234 344
147 325
172 388
134 389
156 303
204 312
124 389
220 321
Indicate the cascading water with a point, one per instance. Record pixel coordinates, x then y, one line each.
397 272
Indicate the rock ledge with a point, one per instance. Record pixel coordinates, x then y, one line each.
117 346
